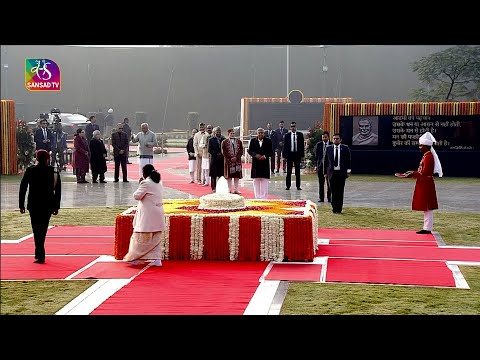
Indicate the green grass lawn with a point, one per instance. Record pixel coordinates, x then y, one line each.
302 298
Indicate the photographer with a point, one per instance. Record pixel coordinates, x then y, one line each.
59 146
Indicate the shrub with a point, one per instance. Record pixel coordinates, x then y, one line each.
25 145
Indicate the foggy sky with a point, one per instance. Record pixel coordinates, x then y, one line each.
210 80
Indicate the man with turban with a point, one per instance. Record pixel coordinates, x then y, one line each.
425 195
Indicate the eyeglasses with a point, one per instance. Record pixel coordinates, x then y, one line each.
293 125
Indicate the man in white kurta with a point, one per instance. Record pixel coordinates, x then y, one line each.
198 145
147 140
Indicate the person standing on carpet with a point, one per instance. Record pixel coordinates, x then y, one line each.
149 220
192 160
44 195
319 151
337 162
216 157
121 149
261 151
232 150
425 194
98 157
146 140
294 152
81 156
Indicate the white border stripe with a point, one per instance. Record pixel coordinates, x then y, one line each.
93 297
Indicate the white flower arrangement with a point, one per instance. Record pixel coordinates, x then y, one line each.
166 239
233 236
196 237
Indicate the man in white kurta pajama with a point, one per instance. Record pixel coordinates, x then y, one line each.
146 141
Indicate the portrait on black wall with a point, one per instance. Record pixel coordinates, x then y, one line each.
365 130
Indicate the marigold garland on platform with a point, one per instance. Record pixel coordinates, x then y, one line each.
269 245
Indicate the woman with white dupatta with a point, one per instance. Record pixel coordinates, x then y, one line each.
149 220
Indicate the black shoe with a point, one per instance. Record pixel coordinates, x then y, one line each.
94 182
126 181
116 180
277 171
287 188
321 200
424 232
329 200
38 261
298 188
103 182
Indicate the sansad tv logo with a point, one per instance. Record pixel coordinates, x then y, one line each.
42 75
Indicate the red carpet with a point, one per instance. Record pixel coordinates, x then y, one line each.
187 288
373 234
82 231
295 272
109 270
397 252
55 267
383 242
179 182
65 239
399 272
52 248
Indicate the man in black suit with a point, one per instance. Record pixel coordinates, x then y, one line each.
337 163
43 136
121 148
217 161
279 143
270 134
44 195
91 127
294 152
319 152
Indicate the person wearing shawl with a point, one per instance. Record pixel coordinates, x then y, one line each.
425 194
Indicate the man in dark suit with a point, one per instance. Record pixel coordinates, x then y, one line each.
43 136
270 134
294 152
121 148
44 195
279 142
91 127
337 163
319 152
216 170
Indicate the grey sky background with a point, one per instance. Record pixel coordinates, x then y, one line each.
210 80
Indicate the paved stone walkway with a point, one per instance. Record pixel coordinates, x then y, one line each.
396 195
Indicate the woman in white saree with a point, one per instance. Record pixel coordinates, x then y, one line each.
149 220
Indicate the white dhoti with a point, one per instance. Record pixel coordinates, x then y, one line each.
260 188
142 162
192 165
205 163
